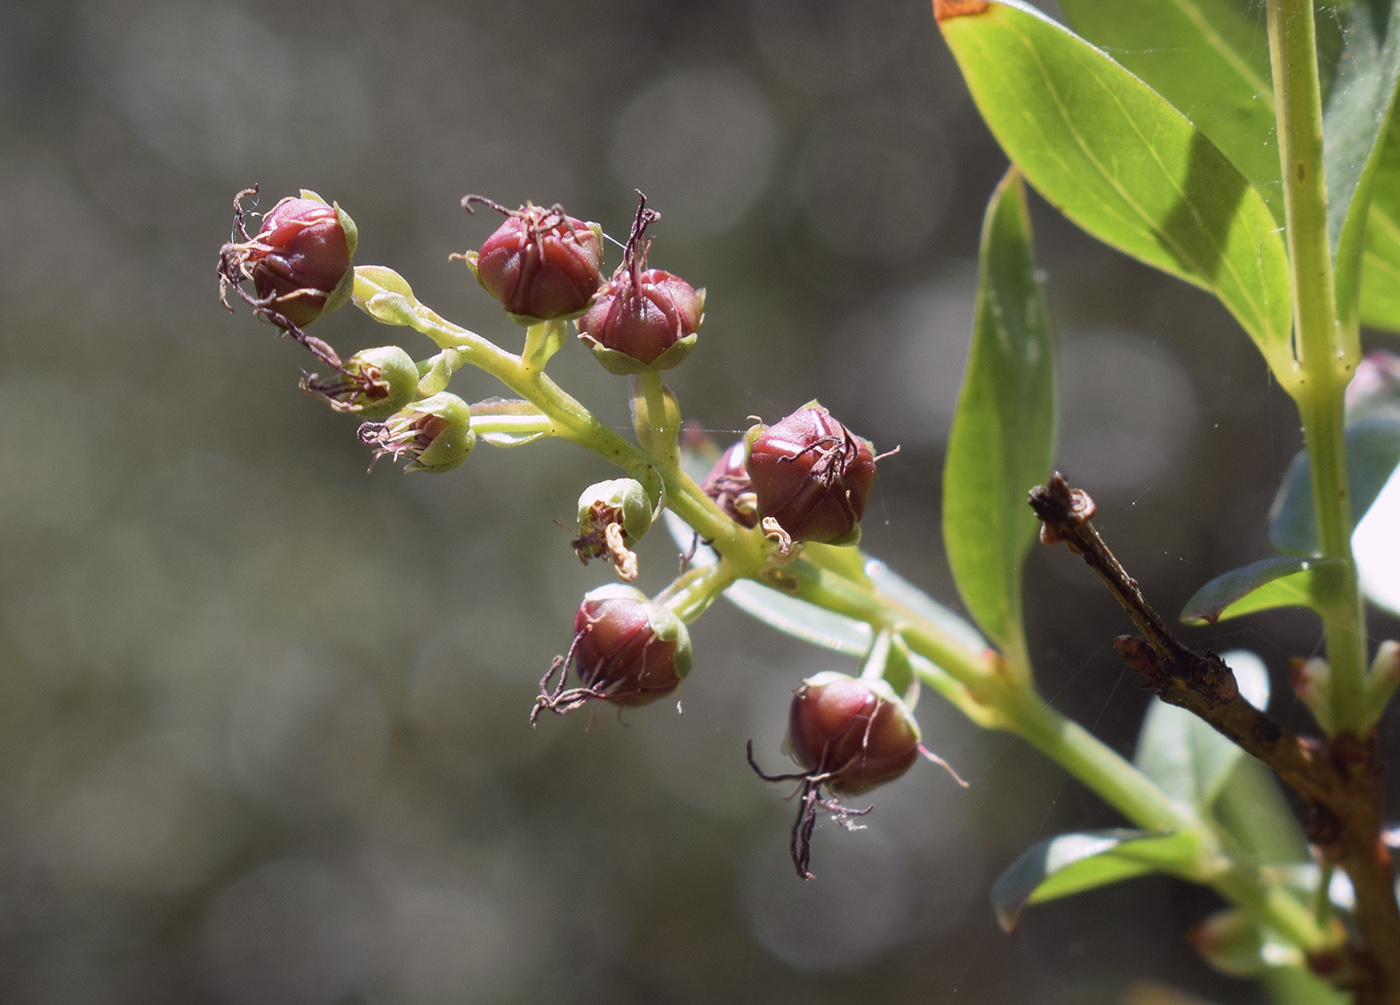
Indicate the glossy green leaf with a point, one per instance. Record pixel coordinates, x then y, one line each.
1279 581
1117 159
1073 863
1210 59
1380 263
1254 811
1183 754
1354 123
1373 451
1003 437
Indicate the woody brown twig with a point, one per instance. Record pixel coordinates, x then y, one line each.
1339 776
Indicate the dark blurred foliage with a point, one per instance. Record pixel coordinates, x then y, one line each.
263 717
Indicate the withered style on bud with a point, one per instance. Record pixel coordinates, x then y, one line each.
642 318
435 434
729 485
373 383
541 264
848 735
612 517
300 264
626 650
811 476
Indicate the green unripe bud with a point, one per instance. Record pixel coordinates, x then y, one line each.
435 434
612 517
374 383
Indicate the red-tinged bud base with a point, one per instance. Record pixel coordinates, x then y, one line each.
300 266
812 476
844 732
849 735
540 264
641 314
729 486
626 650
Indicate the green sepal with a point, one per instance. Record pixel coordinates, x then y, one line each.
384 295
623 365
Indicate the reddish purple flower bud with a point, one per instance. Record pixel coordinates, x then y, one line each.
811 476
540 264
849 735
855 733
642 318
626 649
729 486
299 265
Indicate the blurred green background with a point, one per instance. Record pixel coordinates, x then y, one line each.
263 716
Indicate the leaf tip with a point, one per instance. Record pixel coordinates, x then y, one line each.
1007 917
945 9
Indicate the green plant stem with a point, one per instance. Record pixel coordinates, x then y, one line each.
572 421
1022 711
1323 367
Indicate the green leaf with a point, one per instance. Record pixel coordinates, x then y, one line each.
1210 59
1380 263
1003 437
1373 451
1278 581
1183 754
1072 863
1354 123
1254 811
1116 158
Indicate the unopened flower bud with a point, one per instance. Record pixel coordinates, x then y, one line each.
729 486
856 733
626 650
612 517
374 383
642 318
299 262
811 476
435 434
849 735
540 264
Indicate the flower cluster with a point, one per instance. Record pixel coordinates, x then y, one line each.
806 478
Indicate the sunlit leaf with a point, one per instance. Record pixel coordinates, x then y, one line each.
1253 810
1117 159
1003 437
1279 581
1072 863
1183 754
1354 123
1210 59
1373 451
